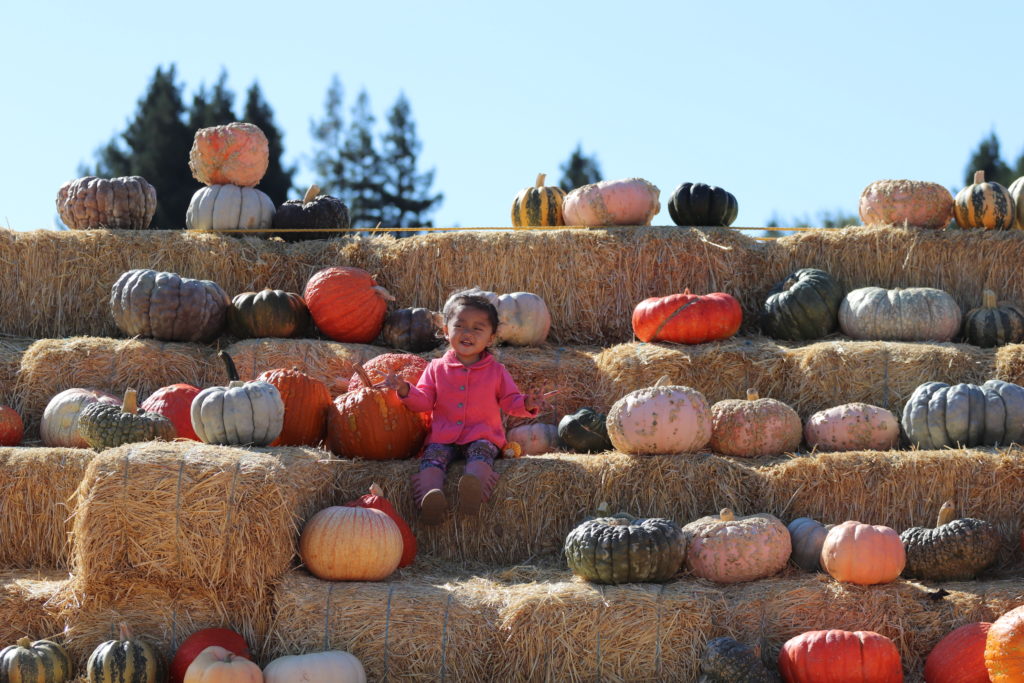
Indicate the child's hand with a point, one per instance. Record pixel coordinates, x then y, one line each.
393 381
537 400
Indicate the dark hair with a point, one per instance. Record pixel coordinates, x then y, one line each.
461 300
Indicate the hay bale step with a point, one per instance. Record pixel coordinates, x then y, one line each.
24 609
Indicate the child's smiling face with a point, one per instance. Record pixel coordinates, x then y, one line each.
469 333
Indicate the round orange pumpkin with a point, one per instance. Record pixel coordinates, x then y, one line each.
959 657
863 554
687 318
12 429
1004 648
351 544
836 656
373 424
408 366
306 402
754 427
175 403
906 202
347 304
235 154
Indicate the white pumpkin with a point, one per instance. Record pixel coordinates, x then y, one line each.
229 207
242 413
59 427
536 439
663 419
524 319
911 314
333 666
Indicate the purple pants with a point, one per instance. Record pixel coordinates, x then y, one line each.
440 455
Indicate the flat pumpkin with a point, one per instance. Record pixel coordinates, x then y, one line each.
985 205
301 219
190 648
624 549
230 207
126 203
938 415
840 657
333 666
702 205
413 329
539 205
852 427
108 426
216 664
911 314
537 438
993 323
726 660
662 419
166 306
267 313
754 427
585 431
242 413
906 202
956 549
687 318
725 548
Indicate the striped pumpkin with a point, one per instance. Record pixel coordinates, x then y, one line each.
126 660
993 323
538 205
43 661
1016 190
984 205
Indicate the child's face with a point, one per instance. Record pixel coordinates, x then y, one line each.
469 332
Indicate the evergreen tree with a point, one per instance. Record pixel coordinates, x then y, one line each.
364 175
278 179
329 134
214 107
986 158
579 170
406 193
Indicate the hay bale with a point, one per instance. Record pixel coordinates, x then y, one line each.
571 370
24 610
35 517
11 351
330 362
1009 363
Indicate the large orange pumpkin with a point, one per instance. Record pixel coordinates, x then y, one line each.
836 656
687 318
347 304
306 402
350 544
959 657
863 554
408 366
175 403
1004 648
235 154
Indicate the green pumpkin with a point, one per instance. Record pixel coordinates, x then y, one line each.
938 415
585 431
803 306
268 313
42 661
413 329
955 550
993 323
806 537
126 660
106 426
703 205
624 549
313 212
726 660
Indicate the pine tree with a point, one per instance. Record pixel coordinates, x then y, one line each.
406 193
986 158
579 170
278 179
363 175
213 108
329 134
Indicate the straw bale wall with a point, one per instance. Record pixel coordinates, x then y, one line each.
11 351
24 604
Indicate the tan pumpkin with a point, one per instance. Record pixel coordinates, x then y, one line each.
351 544
631 201
985 205
912 314
729 549
59 427
754 427
523 318
235 154
535 439
218 665
906 202
229 207
538 205
127 203
863 554
333 666
662 419
853 427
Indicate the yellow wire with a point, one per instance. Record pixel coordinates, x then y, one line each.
250 231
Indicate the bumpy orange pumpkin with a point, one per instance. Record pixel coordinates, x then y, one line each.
1004 648
235 154
687 318
306 402
351 544
906 202
757 426
863 554
986 205
631 201
960 656
729 549
347 304
12 429
840 657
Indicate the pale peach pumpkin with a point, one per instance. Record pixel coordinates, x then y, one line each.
351 544
535 439
756 426
853 427
662 419
235 154
333 666
59 426
631 201
863 554
729 549
906 202
218 665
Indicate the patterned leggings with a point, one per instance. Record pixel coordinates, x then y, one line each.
440 455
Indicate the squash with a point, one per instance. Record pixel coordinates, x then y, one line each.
960 656
957 549
175 403
333 666
42 661
840 657
1004 648
229 207
662 419
985 205
994 323
863 554
313 212
754 427
938 415
12 429
234 154
807 536
585 431
242 413
186 653
126 660
59 426
347 304
268 313
218 665
351 544
726 660
538 205
630 201
1016 190
852 427
916 203
687 318
306 402
727 549
108 426
166 306
624 549
699 204
536 438
912 314
413 329
375 499
523 319
126 203
803 306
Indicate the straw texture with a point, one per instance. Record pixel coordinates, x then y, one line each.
24 609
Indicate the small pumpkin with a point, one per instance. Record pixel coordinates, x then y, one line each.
306 402
126 203
1004 648
993 323
166 306
216 664
754 427
957 549
224 638
807 536
175 403
41 661
347 304
585 431
106 426
985 205
536 438
1016 190
351 544
126 660
726 660
242 413
700 204
960 656
852 427
803 306
234 154
840 657
662 419
906 202
298 219
729 549
375 499
624 549
523 319
12 429
687 318
59 426
413 329
938 415
912 314
333 666
630 201
229 207
863 554
539 205
267 313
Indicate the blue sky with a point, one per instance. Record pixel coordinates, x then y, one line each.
792 106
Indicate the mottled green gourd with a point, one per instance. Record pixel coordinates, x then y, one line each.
105 426
625 549
585 431
726 660
42 661
955 550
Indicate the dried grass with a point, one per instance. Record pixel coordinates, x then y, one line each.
330 362
24 610
11 351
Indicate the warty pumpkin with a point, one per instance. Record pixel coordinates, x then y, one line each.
347 304
585 431
59 426
1004 648
957 549
863 554
912 314
807 536
539 205
993 323
803 306
12 429
218 665
754 427
167 306
624 549
852 427
938 415
413 329
314 211
306 402
42 661
126 203
687 318
126 660
985 205
233 154
960 656
351 544
175 403
242 413
229 207
107 426
191 647
662 419
537 438
267 313
630 201
728 549
839 656
906 202
726 660
375 499
700 204
333 666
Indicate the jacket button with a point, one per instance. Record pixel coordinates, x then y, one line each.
458 422
462 388
460 405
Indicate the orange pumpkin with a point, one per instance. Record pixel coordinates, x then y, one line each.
836 656
235 154
175 403
959 657
12 429
687 318
217 665
906 202
986 205
863 554
306 402
351 544
1004 648
406 365
347 304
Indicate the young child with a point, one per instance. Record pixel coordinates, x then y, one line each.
465 390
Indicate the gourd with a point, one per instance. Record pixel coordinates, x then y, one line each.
993 323
12 429
186 653
218 665
1004 648
803 306
938 415
234 154
852 427
955 550
306 402
108 426
662 419
375 499
624 549
702 205
268 313
986 205
687 318
59 426
729 549
229 207
314 211
412 329
126 660
537 438
523 319
347 304
807 536
840 656
333 666
351 544
166 306
585 431
374 424
863 554
754 427
912 314
126 203
1016 190
726 660
906 202
42 661
539 205
175 403
630 201
960 656
242 413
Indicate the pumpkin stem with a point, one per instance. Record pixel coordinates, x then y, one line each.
376 490
752 395
125 632
662 381
383 293
24 641
727 515
604 509
988 298
310 195
362 375
130 404
946 513
979 177
540 179
229 364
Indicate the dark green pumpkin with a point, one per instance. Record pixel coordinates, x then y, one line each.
955 550
624 549
803 306
994 323
42 661
269 313
412 329
106 426
585 431
126 660
701 204
312 211
726 660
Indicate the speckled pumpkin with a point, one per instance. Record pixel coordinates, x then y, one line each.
299 219
853 427
729 549
938 415
538 206
662 419
234 154
906 202
126 203
863 554
957 549
994 323
911 314
754 427
106 426
985 205
630 201
624 549
726 660
807 536
167 306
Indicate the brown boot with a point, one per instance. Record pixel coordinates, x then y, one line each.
476 486
427 488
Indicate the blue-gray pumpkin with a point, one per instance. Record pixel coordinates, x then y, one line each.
939 415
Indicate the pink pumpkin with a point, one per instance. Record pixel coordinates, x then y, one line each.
235 154
906 202
662 419
756 426
853 427
863 554
729 549
535 439
632 201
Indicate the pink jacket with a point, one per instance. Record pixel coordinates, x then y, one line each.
466 400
